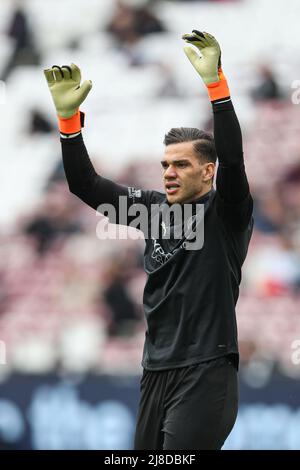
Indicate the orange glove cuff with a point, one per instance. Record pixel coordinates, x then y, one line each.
218 89
71 125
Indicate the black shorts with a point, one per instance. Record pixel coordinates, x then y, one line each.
193 407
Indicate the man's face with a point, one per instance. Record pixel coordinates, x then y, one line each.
185 177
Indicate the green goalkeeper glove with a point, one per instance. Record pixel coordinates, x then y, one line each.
208 65
64 85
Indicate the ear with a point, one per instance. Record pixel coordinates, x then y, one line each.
208 171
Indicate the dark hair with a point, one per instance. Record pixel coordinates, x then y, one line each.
204 144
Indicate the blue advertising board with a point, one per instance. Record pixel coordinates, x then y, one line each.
99 412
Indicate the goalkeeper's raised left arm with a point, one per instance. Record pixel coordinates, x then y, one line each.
232 184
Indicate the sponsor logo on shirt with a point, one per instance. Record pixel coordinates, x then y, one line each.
133 193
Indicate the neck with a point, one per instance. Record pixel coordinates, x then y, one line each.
200 195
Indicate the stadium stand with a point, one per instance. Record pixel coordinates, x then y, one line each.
53 308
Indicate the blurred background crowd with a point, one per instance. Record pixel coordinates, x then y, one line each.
70 301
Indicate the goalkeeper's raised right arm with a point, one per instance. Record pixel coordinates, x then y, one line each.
68 94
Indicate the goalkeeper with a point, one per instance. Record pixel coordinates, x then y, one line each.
189 390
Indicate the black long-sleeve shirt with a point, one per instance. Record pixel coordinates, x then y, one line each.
190 295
